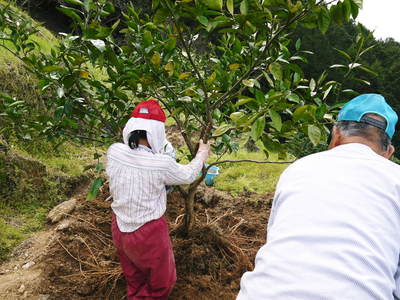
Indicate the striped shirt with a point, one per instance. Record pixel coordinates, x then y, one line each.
137 183
334 230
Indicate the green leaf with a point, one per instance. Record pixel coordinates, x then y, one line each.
238 118
161 15
94 188
177 111
229 6
326 93
171 44
155 4
305 113
355 8
344 54
244 7
211 78
16 103
270 145
276 70
221 130
298 44
260 97
109 7
99 44
75 2
314 134
70 12
324 20
156 59
147 38
293 98
213 4
243 100
336 13
257 128
338 66
87 5
203 20
248 82
312 85
359 3
368 70
346 7
276 119
368 49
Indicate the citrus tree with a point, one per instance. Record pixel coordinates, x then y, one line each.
220 68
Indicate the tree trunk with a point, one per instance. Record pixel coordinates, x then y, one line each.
189 209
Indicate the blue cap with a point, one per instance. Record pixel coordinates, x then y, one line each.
356 108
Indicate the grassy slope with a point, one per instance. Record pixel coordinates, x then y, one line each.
18 220
257 178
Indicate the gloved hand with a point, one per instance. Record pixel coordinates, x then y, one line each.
204 150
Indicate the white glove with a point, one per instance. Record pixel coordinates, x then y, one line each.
204 150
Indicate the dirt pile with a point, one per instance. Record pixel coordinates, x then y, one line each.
80 261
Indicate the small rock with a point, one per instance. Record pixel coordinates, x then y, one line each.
21 289
25 295
62 209
44 297
64 224
28 265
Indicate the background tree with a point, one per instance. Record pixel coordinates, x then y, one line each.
220 68
381 58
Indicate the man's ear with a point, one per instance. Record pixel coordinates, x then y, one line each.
336 138
389 152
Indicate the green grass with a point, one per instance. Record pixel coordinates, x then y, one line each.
45 39
68 158
252 177
17 225
23 209
10 236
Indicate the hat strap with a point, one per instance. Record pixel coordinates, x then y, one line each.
373 122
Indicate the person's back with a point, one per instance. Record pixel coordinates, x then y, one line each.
354 228
334 229
137 183
139 171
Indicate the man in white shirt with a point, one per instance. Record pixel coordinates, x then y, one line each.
334 228
139 171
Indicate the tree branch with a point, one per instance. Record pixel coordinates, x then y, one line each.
248 160
221 100
178 122
177 96
186 47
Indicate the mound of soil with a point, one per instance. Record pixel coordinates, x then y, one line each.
81 263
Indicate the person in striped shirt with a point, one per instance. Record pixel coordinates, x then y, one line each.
334 227
139 171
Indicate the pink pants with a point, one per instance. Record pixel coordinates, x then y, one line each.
146 259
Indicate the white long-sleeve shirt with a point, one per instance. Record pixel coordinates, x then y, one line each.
137 183
334 231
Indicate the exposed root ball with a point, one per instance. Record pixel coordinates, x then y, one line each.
82 263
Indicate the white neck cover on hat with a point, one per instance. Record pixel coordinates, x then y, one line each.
155 132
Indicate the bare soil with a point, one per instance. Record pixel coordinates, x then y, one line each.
75 259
